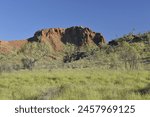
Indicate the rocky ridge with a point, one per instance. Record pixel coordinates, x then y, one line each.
57 38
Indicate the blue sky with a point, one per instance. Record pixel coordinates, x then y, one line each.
19 19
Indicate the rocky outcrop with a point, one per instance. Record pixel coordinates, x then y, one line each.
4 46
17 44
53 36
58 37
113 43
131 38
8 46
77 35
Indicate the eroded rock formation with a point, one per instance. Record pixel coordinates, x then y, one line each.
58 37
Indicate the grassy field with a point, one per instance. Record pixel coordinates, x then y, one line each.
75 84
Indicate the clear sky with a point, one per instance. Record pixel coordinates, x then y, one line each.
19 19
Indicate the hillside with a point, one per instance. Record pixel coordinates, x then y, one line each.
75 46
132 38
57 38
75 63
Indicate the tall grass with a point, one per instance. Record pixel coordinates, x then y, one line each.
73 84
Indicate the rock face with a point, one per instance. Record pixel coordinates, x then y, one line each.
80 36
4 46
52 36
8 46
77 35
58 37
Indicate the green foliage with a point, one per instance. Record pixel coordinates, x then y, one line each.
5 68
33 52
73 53
129 55
36 50
28 63
108 72
84 83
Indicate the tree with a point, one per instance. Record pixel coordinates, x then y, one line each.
129 55
33 52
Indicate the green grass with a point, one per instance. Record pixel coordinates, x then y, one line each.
74 84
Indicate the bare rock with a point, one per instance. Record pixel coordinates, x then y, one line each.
57 38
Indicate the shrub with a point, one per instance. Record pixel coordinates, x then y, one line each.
129 55
34 52
5 68
28 63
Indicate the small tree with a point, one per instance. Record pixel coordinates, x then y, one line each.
129 55
33 52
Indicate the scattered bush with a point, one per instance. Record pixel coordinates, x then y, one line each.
122 53
5 68
28 63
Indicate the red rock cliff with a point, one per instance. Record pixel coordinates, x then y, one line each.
58 37
77 35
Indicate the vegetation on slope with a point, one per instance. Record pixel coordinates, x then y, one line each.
118 70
